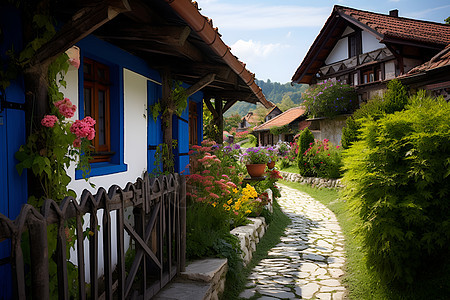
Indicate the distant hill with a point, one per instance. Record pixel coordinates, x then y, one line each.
274 91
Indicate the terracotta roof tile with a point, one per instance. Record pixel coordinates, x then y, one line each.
399 27
282 119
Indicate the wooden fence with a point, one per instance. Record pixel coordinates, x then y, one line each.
155 221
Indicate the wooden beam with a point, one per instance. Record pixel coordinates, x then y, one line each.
188 50
167 35
83 23
228 105
204 81
210 107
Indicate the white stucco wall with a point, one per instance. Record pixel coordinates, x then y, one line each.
339 52
369 42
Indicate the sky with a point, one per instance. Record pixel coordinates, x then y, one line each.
273 36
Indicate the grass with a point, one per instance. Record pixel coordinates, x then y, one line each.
268 241
363 284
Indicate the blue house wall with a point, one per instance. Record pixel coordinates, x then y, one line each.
13 192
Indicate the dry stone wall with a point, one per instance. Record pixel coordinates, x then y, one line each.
313 181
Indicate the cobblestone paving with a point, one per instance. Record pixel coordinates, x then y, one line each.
309 260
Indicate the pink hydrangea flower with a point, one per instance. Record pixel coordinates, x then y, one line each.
49 121
66 108
84 128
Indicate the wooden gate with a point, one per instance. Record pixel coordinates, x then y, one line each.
152 212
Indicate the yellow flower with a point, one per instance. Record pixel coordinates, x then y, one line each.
214 204
230 201
225 205
248 211
235 191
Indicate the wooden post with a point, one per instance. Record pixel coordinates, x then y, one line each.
219 120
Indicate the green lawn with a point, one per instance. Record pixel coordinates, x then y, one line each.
359 280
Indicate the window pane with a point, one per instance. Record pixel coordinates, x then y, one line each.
101 117
87 102
101 74
87 69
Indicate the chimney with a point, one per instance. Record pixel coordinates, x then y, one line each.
393 13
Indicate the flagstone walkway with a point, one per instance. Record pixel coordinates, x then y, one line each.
309 260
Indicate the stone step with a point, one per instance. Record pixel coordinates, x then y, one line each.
203 280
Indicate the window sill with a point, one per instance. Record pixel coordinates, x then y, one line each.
102 168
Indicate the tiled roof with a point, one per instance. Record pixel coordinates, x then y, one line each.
390 30
441 59
283 119
399 27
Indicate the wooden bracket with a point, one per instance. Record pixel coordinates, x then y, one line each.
204 81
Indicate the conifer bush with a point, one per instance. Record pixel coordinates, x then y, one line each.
397 177
304 142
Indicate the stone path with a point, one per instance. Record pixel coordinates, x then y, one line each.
309 261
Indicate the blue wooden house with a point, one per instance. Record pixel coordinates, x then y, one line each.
129 52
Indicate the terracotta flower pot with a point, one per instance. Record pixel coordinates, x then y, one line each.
256 170
271 165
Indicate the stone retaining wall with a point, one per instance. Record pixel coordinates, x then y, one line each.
249 236
314 181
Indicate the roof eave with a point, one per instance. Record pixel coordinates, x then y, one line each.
200 24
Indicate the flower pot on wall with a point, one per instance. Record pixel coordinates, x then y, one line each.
256 170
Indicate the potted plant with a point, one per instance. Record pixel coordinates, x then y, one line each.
255 160
272 153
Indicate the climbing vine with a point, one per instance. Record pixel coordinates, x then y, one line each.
179 98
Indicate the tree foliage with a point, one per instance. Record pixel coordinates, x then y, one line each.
394 99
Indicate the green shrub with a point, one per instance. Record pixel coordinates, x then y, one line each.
330 98
397 177
323 159
305 140
394 99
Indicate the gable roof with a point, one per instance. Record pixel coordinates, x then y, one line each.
386 28
282 119
271 110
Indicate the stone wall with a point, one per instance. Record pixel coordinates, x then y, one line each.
249 236
313 181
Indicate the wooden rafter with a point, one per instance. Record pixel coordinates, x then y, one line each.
83 23
167 35
187 50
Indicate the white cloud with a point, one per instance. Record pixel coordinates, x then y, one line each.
260 16
250 50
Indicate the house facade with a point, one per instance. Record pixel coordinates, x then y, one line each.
275 111
287 124
129 53
366 50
